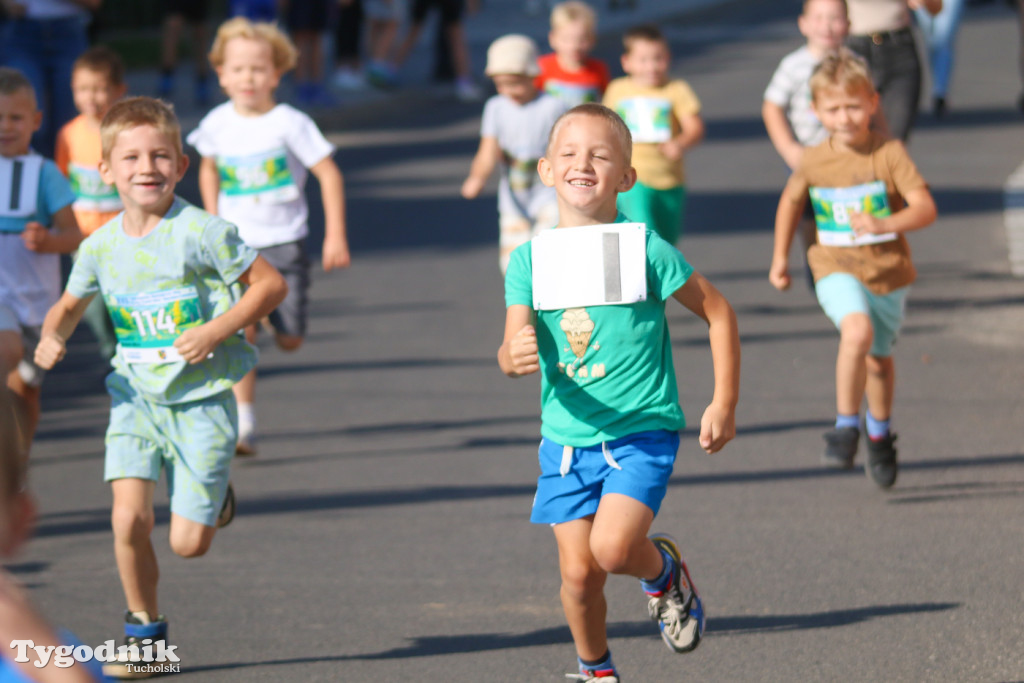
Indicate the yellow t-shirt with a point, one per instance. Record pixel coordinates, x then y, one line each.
653 116
78 156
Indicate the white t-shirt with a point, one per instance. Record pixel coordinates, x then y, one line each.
522 133
790 88
262 161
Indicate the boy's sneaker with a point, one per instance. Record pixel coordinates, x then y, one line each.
227 509
881 466
593 677
677 609
132 665
840 447
246 445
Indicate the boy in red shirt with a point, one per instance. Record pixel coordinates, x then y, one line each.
570 73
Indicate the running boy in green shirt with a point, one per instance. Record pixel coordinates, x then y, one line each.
610 412
165 270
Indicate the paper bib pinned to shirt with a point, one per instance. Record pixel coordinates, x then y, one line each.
596 265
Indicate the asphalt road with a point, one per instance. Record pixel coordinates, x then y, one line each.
383 535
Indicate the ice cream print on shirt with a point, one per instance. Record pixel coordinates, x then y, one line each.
579 329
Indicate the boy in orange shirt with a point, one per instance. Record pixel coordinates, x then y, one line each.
570 73
97 81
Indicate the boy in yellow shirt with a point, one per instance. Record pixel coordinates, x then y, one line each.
663 115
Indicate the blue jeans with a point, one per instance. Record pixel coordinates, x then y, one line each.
45 50
940 32
896 72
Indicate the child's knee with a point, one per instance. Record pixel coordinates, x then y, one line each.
856 333
880 367
582 580
131 524
192 542
288 342
612 554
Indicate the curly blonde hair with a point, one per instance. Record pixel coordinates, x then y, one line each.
283 50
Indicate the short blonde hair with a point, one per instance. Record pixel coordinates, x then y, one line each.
282 49
601 112
843 70
139 111
846 9
573 11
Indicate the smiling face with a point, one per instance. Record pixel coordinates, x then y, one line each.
587 164
846 114
647 62
93 93
248 75
19 118
825 25
144 165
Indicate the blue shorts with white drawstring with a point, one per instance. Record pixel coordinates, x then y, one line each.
573 480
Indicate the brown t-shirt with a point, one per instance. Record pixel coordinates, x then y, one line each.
882 267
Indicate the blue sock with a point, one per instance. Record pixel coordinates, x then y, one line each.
600 667
660 585
877 429
848 421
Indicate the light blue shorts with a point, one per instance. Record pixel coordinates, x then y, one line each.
841 294
573 481
194 442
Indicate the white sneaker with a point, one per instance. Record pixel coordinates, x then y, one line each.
246 439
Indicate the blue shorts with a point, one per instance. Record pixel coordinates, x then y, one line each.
841 294
638 466
194 442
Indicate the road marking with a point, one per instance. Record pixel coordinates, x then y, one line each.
1013 211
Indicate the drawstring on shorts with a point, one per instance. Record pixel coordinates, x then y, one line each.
567 453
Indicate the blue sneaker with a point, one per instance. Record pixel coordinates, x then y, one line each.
677 609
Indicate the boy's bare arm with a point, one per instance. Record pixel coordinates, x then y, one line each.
209 183
718 424
265 290
692 133
517 354
64 238
787 216
781 134
920 212
332 190
61 320
487 157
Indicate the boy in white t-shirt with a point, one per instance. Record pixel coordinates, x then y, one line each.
513 135
255 157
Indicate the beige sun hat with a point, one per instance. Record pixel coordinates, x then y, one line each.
512 54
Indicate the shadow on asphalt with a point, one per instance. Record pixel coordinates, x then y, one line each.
433 646
98 519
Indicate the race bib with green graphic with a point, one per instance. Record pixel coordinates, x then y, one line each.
262 177
147 324
833 207
92 193
648 118
572 93
522 173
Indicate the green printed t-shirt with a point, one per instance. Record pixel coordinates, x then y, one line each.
177 276
606 371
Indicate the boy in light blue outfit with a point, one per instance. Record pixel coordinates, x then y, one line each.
165 270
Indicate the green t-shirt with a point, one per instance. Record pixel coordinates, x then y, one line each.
606 371
157 286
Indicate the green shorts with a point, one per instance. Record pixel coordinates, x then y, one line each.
194 442
661 210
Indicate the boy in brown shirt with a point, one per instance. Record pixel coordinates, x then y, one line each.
866 192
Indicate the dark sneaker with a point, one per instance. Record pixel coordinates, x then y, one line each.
678 609
594 677
840 447
881 466
227 509
145 644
